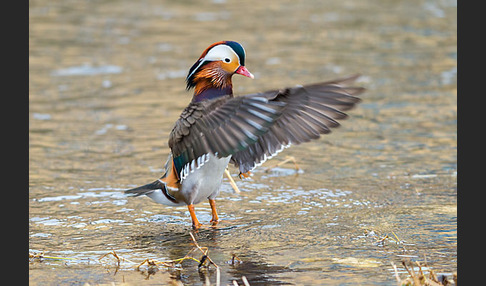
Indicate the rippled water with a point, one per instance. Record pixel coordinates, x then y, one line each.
106 84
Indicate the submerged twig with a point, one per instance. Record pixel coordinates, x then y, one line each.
118 258
287 159
396 238
234 259
381 241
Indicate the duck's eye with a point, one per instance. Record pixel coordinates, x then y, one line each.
227 60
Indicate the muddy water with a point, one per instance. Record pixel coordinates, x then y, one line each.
107 82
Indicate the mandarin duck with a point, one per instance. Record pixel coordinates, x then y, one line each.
217 128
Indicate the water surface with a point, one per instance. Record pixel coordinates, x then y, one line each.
106 83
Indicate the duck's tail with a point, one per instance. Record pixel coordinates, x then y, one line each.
146 189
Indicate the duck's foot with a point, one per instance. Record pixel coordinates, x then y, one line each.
214 222
215 219
195 222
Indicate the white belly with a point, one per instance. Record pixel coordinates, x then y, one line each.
160 198
204 182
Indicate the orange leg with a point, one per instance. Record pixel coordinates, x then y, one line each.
195 222
214 213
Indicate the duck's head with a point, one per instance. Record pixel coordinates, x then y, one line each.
215 67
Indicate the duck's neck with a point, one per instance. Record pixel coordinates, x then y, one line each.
212 92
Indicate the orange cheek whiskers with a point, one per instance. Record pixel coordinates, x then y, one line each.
212 77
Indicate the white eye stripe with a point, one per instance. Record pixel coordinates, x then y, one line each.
221 53
217 53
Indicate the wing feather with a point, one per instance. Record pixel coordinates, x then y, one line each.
221 127
255 127
309 111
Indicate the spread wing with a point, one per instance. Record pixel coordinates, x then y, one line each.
308 111
221 127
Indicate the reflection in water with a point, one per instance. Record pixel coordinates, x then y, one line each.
106 83
177 244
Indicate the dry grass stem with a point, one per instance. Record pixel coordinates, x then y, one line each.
396 272
204 252
40 256
153 264
420 279
232 182
169 263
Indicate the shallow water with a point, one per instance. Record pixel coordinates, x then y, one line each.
106 84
